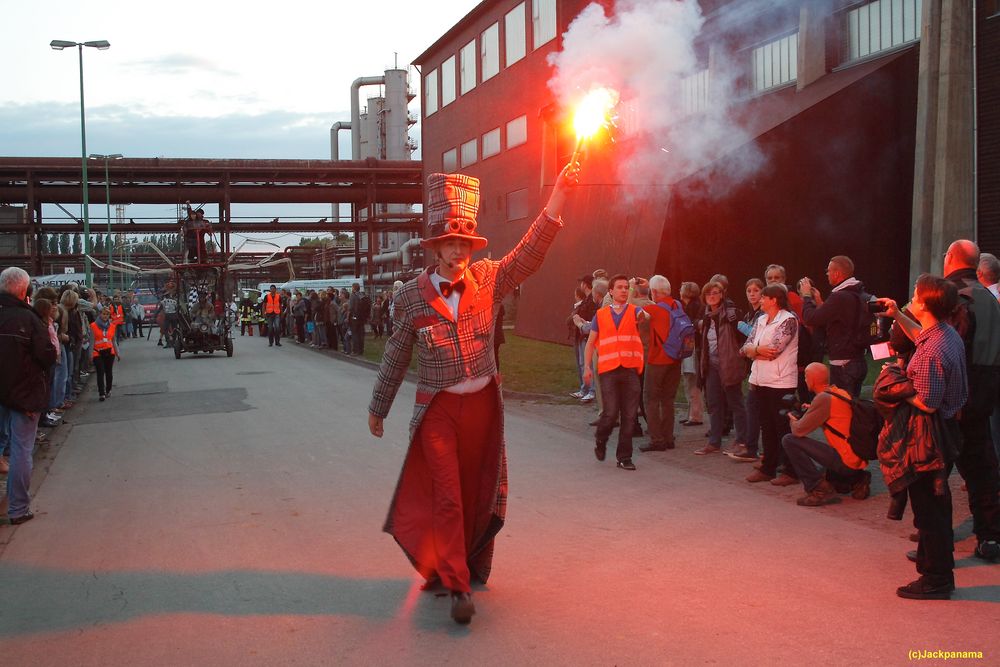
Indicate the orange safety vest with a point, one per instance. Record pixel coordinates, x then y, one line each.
117 314
102 341
619 346
272 306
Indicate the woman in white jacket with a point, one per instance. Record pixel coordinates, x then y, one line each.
773 347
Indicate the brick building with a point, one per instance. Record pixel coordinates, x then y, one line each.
834 95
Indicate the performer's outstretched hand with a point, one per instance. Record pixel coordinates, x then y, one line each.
375 425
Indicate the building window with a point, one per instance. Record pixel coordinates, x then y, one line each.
431 92
882 25
448 81
775 63
517 205
449 161
467 67
694 92
489 45
470 152
543 21
514 36
491 143
517 132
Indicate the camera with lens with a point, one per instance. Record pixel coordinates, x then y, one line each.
876 307
790 405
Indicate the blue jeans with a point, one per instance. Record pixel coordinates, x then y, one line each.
57 392
70 370
850 376
21 428
580 347
620 387
718 397
804 453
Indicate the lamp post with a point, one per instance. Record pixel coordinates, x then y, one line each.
100 45
107 199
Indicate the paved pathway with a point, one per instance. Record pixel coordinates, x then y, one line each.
227 512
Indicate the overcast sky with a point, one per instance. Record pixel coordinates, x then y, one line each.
187 79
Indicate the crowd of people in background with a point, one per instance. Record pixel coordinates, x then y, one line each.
326 318
774 362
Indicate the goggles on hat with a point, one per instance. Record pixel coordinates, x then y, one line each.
456 226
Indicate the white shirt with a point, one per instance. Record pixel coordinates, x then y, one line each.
995 289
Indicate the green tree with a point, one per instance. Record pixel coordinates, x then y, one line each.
77 244
64 244
53 244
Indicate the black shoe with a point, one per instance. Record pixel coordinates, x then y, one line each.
277 344
911 556
270 344
651 448
626 464
48 423
101 398
462 608
922 590
688 422
987 550
18 520
159 343
600 451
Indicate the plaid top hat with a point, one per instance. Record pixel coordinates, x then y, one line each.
452 205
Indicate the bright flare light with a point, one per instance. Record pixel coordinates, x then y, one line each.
592 113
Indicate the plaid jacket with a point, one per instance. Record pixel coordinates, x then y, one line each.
448 351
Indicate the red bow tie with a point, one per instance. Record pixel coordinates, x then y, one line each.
447 288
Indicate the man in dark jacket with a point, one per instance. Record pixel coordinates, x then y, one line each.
840 317
360 310
26 354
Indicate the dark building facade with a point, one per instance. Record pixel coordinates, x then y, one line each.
827 97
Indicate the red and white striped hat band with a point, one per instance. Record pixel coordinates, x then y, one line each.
452 206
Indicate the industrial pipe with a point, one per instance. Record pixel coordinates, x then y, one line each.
356 110
335 138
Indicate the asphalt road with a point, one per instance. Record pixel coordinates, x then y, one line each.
223 511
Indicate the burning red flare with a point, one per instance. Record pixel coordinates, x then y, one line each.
592 114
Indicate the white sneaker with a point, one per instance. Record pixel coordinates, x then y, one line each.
53 417
577 394
588 397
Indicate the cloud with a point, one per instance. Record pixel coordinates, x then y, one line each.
180 64
53 129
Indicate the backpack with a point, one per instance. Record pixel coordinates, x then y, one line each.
679 344
866 424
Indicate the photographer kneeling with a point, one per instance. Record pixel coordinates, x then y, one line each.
834 416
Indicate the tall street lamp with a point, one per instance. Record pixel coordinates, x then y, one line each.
100 45
107 198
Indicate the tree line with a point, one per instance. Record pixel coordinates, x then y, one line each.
66 244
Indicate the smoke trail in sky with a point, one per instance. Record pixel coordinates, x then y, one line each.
675 115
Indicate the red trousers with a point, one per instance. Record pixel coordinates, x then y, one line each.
453 435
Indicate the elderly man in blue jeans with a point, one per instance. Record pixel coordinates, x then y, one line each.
26 354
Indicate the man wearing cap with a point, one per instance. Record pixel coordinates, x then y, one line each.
451 497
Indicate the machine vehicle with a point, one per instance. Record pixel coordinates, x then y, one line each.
203 318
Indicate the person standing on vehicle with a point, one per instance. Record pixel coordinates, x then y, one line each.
272 313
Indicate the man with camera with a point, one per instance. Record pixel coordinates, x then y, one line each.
830 410
840 317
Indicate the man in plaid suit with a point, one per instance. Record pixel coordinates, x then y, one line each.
451 497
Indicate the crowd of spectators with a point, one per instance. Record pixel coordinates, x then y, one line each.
327 318
787 362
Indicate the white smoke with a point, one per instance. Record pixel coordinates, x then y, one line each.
647 51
